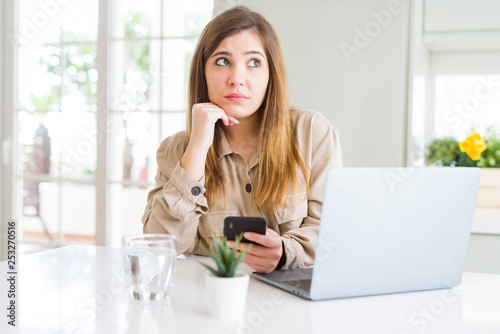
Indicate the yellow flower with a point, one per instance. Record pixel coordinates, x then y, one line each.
473 145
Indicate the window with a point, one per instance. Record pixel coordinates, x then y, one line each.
56 117
151 46
453 94
60 131
465 102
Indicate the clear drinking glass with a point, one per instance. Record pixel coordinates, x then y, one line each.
150 265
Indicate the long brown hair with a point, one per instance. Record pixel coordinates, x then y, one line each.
279 159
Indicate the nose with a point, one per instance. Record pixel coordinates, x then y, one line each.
237 76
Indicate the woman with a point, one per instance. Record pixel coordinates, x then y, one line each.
245 151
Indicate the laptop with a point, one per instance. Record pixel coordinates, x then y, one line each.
387 230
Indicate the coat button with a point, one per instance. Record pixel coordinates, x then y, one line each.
248 187
195 191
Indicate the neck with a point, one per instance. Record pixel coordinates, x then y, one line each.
246 131
243 137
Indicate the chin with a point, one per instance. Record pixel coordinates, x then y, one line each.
239 112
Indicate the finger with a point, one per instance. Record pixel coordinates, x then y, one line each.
251 249
271 239
229 119
242 246
211 110
233 120
254 261
223 117
259 264
206 104
262 261
226 119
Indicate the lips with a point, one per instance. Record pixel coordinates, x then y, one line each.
236 97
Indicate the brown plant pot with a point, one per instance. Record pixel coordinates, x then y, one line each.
488 197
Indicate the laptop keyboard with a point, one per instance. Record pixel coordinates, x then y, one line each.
304 284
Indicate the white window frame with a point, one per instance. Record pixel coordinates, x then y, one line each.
9 182
10 179
448 63
455 63
3 236
102 228
451 52
9 59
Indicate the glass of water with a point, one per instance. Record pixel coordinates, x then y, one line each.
150 265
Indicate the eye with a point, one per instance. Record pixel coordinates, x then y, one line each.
222 62
254 63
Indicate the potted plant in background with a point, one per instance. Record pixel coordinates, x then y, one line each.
474 151
443 152
226 287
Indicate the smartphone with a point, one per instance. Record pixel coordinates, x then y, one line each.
233 226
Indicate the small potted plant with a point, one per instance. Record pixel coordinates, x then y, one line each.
474 151
226 287
443 152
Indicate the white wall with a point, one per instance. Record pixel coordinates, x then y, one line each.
363 94
464 25
467 15
482 256
445 42
420 123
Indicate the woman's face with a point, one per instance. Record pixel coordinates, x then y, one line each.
237 74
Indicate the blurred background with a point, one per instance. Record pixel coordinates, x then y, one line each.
89 88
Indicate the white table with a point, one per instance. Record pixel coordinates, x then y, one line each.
80 289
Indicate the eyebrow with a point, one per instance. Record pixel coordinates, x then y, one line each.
225 53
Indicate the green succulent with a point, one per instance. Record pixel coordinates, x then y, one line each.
465 161
446 152
224 257
443 152
491 156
